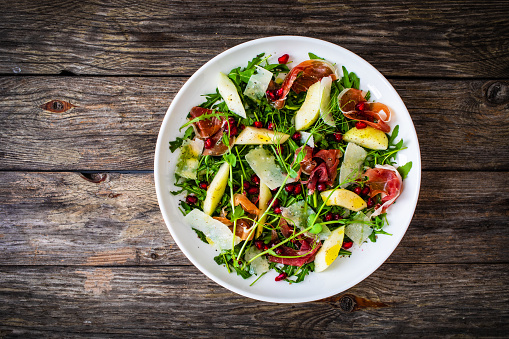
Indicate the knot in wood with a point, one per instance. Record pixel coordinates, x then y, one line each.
347 303
57 106
497 93
95 178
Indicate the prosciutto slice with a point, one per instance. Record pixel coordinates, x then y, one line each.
386 181
304 255
374 114
207 127
323 172
302 76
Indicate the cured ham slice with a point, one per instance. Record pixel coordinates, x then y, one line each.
302 76
247 205
374 114
331 159
386 181
304 255
207 127
325 172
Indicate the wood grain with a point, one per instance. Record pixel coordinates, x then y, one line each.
61 218
461 124
409 300
400 38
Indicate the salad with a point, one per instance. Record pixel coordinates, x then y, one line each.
286 167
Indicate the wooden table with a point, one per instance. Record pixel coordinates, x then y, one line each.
84 87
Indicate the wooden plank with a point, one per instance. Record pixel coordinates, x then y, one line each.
418 38
62 218
412 300
116 127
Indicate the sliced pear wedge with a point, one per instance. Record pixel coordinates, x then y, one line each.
260 136
368 137
230 95
310 109
343 198
216 189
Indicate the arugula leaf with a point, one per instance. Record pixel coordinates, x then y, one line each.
314 56
178 141
201 235
346 78
403 170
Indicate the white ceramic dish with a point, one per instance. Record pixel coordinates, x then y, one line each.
344 272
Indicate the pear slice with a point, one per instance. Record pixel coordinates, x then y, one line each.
343 198
330 249
310 109
258 136
265 195
368 137
230 95
216 189
325 112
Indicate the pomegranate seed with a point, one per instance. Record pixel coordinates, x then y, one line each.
191 199
347 244
321 187
247 185
274 191
259 244
255 179
338 137
279 93
280 277
297 189
365 190
270 126
361 106
289 188
265 247
208 143
253 190
242 127
329 217
283 59
370 203
277 210
231 120
357 190
275 203
360 125
296 136
271 95
258 124
203 185
337 216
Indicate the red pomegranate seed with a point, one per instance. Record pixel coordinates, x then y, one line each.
271 95
338 137
357 190
255 179
360 125
283 59
321 187
337 216
296 136
277 210
253 190
265 247
259 244
258 124
329 217
247 185
289 188
275 203
347 244
280 277
270 126
242 127
191 199
370 203
208 143
361 106
365 190
203 185
231 120
279 93
297 189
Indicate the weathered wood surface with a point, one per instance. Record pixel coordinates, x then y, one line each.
399 300
423 38
93 258
116 120
62 218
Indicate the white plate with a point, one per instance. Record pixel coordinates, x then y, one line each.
344 272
